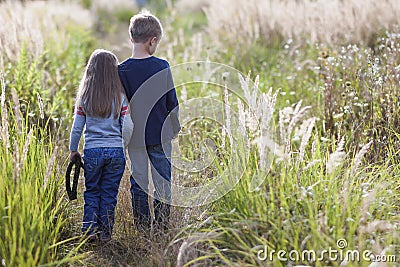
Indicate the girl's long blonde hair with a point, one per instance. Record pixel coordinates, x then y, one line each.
100 91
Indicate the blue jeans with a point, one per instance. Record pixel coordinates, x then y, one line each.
160 159
104 168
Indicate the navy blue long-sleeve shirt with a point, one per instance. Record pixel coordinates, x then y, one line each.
150 89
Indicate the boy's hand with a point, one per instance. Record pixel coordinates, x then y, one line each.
73 155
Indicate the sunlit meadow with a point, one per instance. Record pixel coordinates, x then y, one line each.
320 82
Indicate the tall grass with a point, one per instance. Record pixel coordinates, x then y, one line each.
32 25
246 22
42 63
31 199
316 193
43 52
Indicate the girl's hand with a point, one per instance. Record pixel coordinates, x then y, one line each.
73 155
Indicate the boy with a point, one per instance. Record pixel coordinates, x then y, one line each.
154 108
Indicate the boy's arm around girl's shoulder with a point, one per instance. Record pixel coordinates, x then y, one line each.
126 123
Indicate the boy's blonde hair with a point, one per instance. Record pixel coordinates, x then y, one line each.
144 26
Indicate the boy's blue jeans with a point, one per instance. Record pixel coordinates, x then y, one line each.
160 162
104 168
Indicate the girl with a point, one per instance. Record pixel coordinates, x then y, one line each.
102 106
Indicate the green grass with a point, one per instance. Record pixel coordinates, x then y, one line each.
31 195
298 209
38 97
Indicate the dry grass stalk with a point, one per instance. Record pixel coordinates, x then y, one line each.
50 166
258 118
336 158
40 103
375 226
227 128
250 90
306 137
4 115
26 146
366 203
358 158
266 106
16 161
17 111
311 164
188 249
242 118
290 117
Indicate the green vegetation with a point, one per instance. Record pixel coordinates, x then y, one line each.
329 103
32 213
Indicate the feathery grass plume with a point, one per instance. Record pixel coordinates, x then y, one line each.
336 158
258 117
189 248
292 117
181 258
255 89
368 198
183 94
251 94
266 108
19 159
314 146
242 118
284 118
40 103
4 115
305 138
17 111
266 142
26 146
16 161
358 158
298 113
250 90
228 118
377 226
50 166
311 164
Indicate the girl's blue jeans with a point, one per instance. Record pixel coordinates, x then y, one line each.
103 168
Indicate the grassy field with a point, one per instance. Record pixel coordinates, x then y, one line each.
289 154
